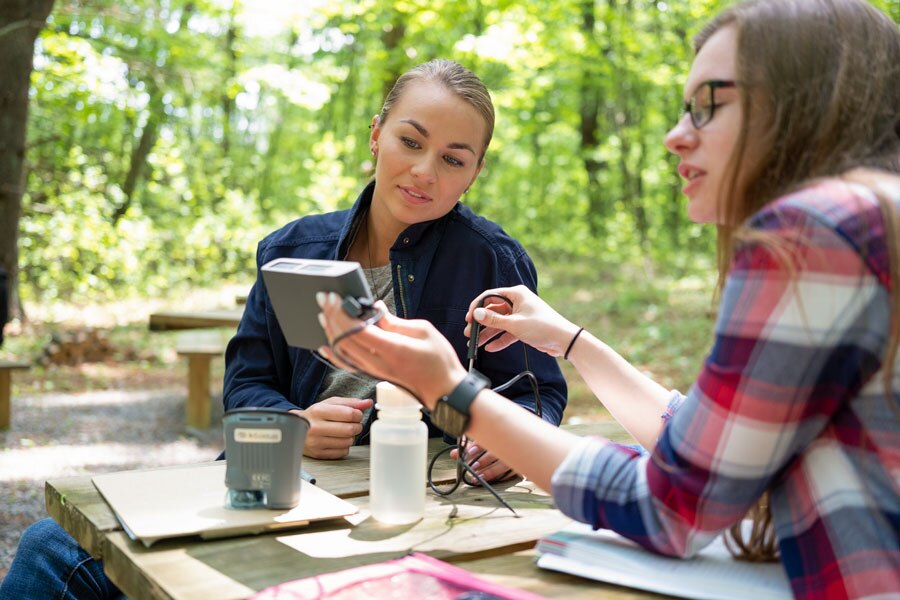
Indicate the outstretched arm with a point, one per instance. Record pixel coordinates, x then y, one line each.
414 354
633 399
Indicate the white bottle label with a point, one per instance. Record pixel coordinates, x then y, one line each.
257 436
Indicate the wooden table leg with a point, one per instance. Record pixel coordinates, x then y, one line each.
198 402
5 398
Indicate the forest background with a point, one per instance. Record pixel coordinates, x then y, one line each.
155 142
147 146
163 138
166 137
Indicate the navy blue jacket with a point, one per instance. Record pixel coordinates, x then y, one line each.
438 268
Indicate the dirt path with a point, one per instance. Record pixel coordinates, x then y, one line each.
58 435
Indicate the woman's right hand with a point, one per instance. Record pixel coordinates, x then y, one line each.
334 424
411 353
530 320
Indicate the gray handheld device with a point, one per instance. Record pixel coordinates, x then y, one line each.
292 284
263 454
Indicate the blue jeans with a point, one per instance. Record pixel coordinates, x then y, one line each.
49 563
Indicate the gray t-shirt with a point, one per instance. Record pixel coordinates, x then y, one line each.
346 385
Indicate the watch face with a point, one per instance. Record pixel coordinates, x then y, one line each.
449 419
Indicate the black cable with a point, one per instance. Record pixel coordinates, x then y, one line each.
463 467
464 464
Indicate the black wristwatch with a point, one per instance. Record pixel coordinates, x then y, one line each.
451 413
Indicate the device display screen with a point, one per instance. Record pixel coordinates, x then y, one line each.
293 267
311 267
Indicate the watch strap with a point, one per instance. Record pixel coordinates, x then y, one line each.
464 393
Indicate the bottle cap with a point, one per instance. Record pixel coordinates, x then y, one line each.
388 395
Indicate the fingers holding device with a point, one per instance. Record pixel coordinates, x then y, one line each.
518 314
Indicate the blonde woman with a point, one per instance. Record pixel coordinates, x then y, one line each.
425 254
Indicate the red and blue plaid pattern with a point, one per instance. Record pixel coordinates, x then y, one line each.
790 399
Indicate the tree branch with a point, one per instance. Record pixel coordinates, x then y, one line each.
20 24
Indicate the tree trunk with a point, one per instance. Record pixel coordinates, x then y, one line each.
20 23
139 157
590 95
230 77
392 37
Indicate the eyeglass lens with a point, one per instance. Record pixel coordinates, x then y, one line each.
701 106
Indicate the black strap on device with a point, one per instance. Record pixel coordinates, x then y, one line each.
358 308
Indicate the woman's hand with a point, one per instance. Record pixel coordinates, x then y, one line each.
411 353
334 424
530 320
488 466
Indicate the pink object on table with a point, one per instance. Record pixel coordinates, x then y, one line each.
413 576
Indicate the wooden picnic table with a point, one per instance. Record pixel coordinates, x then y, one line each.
482 537
195 319
6 369
199 351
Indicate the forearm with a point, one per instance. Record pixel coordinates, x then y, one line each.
634 400
512 434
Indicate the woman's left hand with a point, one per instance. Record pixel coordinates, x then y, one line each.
485 464
409 352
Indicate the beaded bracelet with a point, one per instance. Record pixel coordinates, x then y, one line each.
572 343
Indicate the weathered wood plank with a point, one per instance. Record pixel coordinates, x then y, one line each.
519 570
470 524
78 507
198 407
198 319
75 503
87 517
6 369
479 529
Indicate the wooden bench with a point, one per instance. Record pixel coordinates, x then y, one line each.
195 319
199 350
6 369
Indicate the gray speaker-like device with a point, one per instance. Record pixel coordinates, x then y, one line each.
263 454
292 284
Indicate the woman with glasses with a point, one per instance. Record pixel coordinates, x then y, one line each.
791 147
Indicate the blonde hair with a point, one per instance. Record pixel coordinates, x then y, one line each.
454 77
820 85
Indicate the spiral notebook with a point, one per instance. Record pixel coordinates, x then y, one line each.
711 575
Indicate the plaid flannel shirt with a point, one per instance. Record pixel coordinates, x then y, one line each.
790 399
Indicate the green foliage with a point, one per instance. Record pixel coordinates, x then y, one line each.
659 322
167 137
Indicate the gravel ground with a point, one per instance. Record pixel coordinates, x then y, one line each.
60 435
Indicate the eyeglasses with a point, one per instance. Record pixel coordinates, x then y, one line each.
702 105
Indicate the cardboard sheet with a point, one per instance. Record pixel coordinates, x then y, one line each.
173 502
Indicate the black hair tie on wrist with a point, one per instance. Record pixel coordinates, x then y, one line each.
572 343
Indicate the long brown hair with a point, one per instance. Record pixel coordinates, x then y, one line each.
820 94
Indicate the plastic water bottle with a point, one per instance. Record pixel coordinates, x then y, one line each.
399 444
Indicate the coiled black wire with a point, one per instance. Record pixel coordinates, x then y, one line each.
463 463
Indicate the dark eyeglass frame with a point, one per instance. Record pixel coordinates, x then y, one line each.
701 115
